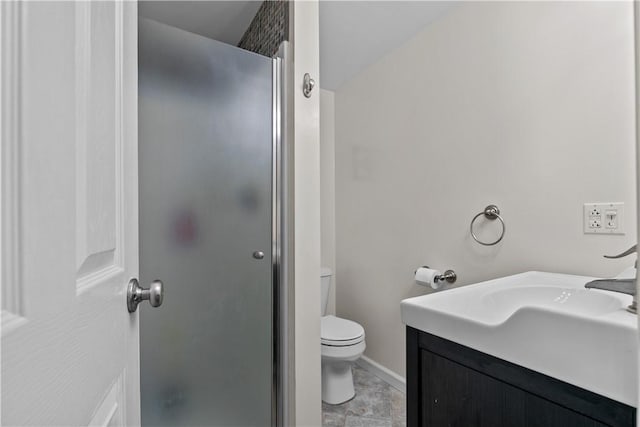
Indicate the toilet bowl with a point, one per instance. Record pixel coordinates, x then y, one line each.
342 342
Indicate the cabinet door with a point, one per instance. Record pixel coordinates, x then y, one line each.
455 395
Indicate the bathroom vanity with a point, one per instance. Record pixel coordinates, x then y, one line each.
452 385
533 349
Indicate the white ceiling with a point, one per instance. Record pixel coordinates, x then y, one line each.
225 21
353 34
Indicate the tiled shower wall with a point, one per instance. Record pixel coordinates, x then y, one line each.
269 28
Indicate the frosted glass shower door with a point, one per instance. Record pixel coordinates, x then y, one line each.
206 140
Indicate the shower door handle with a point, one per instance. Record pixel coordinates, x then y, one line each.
136 294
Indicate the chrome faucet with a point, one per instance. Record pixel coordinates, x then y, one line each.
631 250
625 286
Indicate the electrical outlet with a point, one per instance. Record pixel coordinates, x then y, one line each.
603 218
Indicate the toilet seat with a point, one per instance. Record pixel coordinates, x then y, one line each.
342 353
337 332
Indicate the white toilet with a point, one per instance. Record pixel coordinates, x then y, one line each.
342 343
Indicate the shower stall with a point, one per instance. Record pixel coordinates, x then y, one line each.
211 227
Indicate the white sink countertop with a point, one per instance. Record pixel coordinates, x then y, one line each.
545 322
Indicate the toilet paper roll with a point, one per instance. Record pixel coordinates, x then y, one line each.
427 277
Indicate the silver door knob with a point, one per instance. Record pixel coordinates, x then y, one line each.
136 294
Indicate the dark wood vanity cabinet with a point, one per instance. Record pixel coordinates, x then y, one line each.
450 385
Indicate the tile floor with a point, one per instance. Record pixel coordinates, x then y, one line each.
376 404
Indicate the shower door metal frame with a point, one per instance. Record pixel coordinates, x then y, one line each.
283 268
276 242
282 294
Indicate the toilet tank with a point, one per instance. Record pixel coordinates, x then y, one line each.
325 283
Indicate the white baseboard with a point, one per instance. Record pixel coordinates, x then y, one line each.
385 374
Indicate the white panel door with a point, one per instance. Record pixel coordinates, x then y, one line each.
69 213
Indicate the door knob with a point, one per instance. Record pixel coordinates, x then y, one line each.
136 294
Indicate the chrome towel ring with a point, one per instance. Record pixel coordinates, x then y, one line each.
491 213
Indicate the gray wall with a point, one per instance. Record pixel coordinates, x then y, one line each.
526 105
328 190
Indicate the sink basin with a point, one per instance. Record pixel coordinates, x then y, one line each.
502 303
546 322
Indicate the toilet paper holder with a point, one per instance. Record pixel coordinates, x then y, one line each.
449 276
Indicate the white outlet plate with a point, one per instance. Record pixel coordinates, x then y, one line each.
603 218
